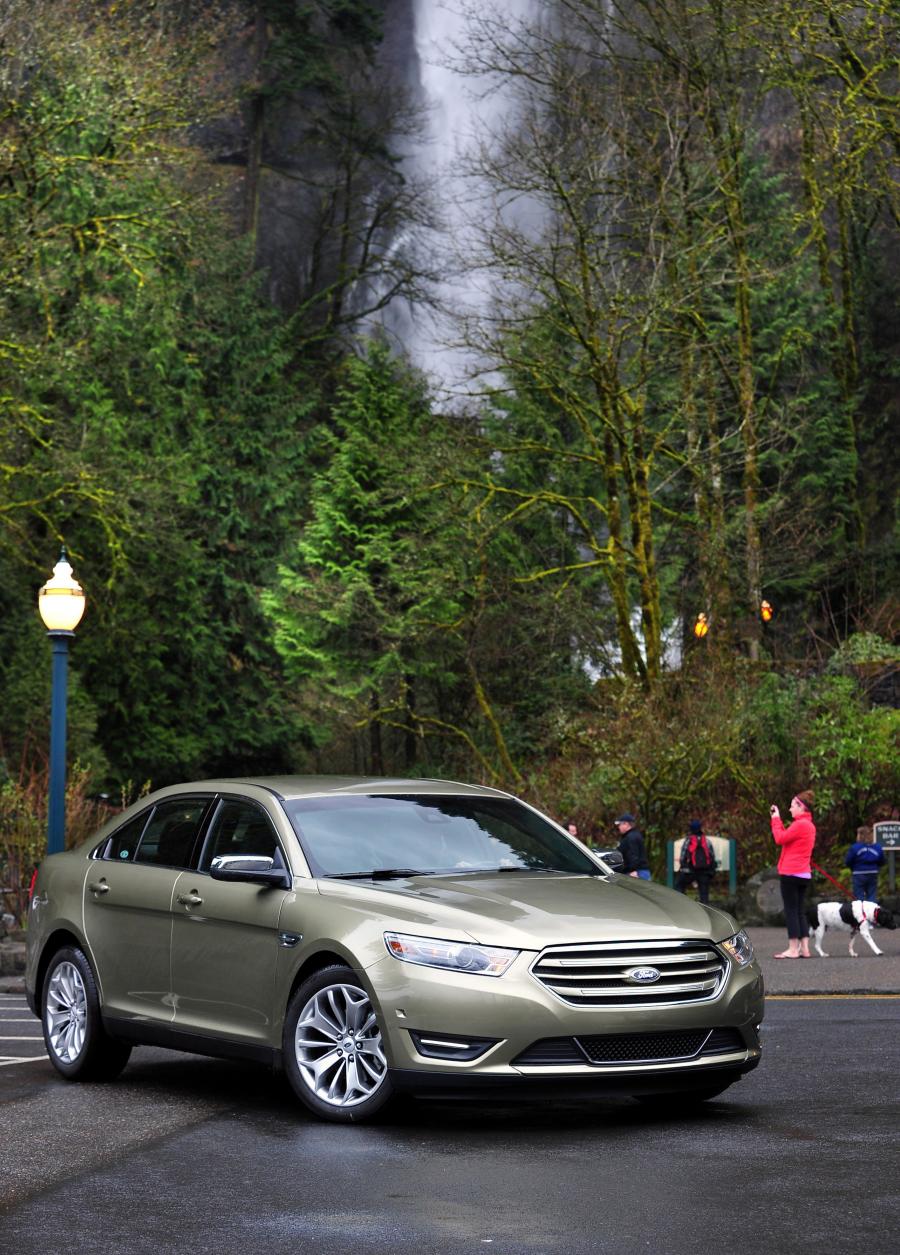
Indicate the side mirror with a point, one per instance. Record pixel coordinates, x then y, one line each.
251 869
612 858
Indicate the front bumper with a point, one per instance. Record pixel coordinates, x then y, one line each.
566 1088
518 1015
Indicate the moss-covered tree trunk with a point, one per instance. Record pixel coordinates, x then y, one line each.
256 123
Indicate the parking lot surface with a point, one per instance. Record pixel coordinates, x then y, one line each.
191 1154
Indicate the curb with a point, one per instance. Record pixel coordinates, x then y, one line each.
785 994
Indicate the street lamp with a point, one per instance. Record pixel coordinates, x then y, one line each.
61 605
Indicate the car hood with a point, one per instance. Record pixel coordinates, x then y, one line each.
530 910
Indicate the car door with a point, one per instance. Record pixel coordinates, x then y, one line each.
225 933
128 894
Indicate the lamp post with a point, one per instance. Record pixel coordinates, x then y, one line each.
61 605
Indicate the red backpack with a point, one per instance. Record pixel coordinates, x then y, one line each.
700 854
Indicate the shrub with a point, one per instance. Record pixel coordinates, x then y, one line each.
23 829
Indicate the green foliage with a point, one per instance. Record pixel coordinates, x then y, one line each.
293 560
668 757
94 207
369 581
25 696
853 751
722 744
860 648
23 828
196 687
163 421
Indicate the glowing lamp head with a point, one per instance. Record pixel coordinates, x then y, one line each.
701 627
61 600
766 611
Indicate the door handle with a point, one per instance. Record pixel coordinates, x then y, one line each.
190 899
102 887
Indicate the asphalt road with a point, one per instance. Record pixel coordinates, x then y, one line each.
188 1154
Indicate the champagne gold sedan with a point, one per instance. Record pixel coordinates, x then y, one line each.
379 937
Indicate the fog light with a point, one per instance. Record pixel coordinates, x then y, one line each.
448 1046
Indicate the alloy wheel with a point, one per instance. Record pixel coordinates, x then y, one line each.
66 1012
338 1046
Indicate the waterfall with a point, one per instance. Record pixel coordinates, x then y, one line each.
463 110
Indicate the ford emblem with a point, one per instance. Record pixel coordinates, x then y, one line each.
642 975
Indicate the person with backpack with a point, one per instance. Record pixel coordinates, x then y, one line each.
697 863
865 859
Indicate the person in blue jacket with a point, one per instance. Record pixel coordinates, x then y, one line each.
864 858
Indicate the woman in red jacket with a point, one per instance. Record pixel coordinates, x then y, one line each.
795 871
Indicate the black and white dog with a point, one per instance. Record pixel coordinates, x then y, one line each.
856 918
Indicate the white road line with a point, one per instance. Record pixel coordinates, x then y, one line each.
16 1019
8 1063
21 1039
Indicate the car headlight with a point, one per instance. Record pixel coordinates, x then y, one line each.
458 956
740 947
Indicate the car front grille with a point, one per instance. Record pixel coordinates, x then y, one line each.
641 1047
626 1048
607 974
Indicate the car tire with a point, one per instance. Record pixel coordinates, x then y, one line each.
684 1099
78 1045
333 1051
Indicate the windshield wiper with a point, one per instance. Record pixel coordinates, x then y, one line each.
380 873
556 871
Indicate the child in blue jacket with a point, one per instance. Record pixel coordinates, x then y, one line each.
864 858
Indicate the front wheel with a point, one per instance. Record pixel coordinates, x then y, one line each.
333 1049
78 1045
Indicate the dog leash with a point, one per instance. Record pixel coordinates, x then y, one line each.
832 879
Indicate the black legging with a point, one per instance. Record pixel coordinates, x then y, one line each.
793 891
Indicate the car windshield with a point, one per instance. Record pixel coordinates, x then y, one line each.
429 835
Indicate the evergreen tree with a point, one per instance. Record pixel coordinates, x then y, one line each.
369 581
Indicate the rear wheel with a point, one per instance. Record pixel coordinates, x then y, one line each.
79 1047
333 1049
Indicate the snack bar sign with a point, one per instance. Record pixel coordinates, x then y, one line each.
887 834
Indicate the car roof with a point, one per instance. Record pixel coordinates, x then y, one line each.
290 787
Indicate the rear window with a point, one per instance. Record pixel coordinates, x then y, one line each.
123 843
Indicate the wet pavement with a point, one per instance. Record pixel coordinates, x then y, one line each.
215 1158
838 974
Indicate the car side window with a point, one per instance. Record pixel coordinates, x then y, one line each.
124 842
240 828
169 837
